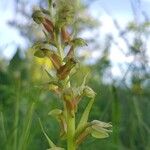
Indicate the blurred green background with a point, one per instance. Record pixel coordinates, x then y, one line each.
118 62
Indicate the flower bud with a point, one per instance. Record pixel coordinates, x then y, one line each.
53 87
56 60
38 16
89 92
68 94
39 54
48 25
64 70
65 35
70 54
55 112
100 129
78 42
101 124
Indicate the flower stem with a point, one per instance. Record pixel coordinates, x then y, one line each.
70 116
70 126
70 130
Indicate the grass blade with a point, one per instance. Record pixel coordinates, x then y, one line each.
51 144
26 129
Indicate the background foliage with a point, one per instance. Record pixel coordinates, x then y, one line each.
124 101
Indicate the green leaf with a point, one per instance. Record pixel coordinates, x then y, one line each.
51 144
56 148
84 80
55 112
63 127
39 54
80 137
79 42
58 114
85 115
3 130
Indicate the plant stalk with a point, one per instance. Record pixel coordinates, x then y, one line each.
70 130
70 116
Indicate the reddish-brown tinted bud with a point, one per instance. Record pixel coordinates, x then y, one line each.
71 104
56 60
64 70
48 25
65 35
70 54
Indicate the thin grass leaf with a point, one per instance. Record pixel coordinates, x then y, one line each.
16 119
51 144
3 131
56 148
26 129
